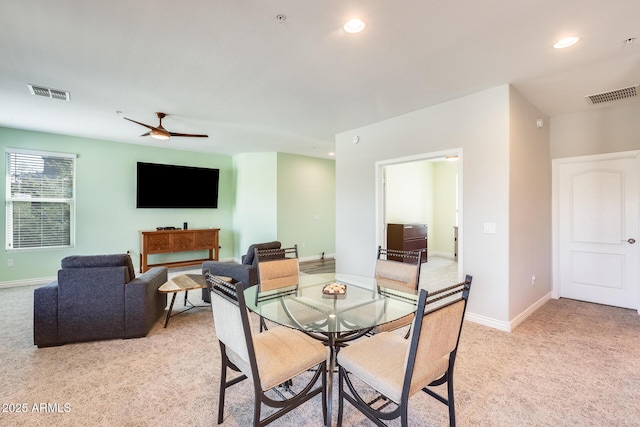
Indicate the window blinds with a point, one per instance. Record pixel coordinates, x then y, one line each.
40 199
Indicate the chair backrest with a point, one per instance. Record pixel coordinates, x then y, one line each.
435 335
249 257
278 268
232 322
398 274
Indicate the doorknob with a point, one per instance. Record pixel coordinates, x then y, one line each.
630 241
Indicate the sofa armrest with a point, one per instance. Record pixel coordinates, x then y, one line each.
45 315
143 303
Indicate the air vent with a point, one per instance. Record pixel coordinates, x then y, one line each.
48 92
614 95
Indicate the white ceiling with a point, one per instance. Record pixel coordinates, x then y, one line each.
228 68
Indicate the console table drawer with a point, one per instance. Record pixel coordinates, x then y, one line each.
158 244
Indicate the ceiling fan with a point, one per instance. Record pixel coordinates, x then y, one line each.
159 132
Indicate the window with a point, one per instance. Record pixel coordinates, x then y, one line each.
40 199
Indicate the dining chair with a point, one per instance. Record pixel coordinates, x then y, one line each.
398 270
403 367
269 359
277 269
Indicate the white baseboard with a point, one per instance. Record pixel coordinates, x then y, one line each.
511 325
442 254
316 257
529 311
487 321
27 282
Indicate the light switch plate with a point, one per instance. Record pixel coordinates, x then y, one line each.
490 228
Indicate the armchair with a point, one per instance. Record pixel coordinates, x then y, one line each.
246 272
97 297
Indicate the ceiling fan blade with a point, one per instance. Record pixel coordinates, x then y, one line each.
146 134
191 135
141 124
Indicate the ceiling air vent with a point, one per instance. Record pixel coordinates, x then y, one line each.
614 95
48 92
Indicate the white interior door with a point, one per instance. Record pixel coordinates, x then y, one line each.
596 206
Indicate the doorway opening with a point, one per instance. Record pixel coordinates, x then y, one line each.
425 189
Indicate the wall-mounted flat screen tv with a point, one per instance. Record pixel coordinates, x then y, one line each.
171 186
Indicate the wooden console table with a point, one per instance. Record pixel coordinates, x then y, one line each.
169 241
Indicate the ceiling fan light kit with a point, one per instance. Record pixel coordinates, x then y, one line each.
159 134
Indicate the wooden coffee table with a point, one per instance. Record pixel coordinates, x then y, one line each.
182 283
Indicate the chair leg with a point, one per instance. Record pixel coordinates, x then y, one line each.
223 387
256 409
324 395
451 403
340 396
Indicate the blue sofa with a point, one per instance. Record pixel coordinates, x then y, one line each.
97 297
247 272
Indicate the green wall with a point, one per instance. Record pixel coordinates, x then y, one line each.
307 204
255 214
107 220
262 197
444 200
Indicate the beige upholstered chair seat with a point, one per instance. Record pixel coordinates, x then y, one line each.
281 353
385 371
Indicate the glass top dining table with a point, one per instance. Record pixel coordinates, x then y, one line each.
307 308
334 319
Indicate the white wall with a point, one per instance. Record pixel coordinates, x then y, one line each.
478 124
601 130
530 208
409 193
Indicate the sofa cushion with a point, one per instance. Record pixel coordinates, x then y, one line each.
248 258
115 260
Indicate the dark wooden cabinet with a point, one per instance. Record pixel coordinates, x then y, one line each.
169 241
408 237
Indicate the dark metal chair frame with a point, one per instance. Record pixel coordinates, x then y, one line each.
401 410
413 257
233 292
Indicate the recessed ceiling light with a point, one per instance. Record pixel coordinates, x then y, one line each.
332 153
354 25
566 42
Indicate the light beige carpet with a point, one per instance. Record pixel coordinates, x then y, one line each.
570 364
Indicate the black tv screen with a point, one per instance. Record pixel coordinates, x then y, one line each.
170 186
